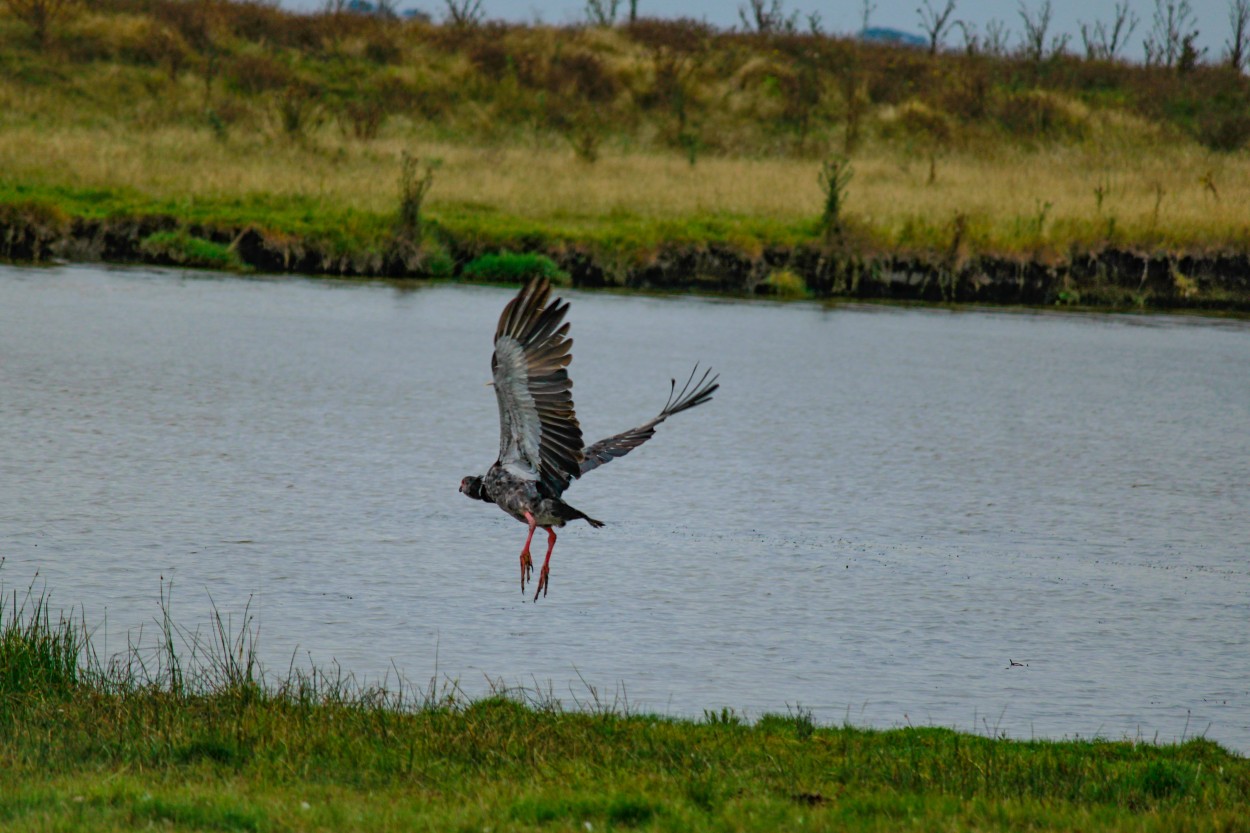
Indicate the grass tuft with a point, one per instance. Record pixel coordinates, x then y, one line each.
510 267
181 248
38 658
785 283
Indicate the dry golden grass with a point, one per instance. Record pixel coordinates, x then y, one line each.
1177 196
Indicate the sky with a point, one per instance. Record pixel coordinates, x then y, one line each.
846 16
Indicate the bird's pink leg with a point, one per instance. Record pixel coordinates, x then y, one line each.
527 563
542 575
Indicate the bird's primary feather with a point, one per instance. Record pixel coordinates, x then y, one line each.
539 435
621 444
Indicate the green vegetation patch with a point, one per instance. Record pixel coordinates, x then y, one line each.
510 267
36 656
785 283
184 249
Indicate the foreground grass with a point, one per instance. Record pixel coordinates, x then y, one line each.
201 741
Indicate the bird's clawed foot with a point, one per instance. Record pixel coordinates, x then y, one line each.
527 563
545 572
527 567
542 582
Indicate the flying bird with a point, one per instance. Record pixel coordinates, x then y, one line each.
540 440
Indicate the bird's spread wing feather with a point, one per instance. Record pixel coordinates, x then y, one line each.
538 429
689 396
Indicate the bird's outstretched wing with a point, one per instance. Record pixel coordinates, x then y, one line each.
689 396
538 429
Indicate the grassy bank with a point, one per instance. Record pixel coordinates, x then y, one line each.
191 735
613 147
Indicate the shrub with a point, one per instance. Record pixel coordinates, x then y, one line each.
896 75
119 37
680 35
784 283
362 109
29 228
297 110
1225 130
582 74
916 122
414 184
490 58
42 15
436 263
1040 114
510 267
382 49
255 73
361 118
835 175
965 94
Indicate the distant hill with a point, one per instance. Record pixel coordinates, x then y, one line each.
896 37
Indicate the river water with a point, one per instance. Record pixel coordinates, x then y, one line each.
880 512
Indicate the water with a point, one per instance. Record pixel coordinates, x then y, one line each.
880 509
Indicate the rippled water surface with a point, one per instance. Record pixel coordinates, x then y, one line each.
880 509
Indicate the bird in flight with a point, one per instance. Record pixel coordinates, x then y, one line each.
540 440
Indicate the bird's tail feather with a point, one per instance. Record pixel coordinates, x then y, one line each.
572 513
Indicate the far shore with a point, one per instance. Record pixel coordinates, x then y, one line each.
1111 278
659 155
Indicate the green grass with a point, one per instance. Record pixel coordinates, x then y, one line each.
182 248
784 283
509 267
190 735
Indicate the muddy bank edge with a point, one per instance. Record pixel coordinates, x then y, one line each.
1111 277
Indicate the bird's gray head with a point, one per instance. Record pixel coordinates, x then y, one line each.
472 486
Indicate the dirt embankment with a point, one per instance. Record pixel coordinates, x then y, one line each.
1113 277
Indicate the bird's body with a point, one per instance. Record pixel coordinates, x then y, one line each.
516 493
540 439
